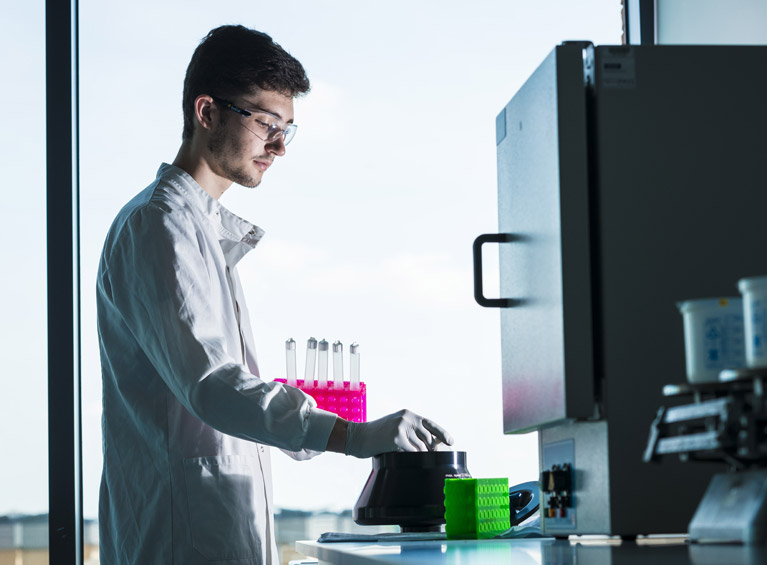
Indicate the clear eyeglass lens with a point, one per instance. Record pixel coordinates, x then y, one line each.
290 132
274 132
261 125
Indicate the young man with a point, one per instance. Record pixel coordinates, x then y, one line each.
186 420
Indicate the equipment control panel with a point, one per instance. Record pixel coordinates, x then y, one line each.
557 486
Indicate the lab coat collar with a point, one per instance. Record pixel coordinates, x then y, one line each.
236 235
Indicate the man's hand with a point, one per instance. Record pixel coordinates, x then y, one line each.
401 431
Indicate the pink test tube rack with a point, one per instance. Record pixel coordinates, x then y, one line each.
349 404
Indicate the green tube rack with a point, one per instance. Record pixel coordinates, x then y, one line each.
476 508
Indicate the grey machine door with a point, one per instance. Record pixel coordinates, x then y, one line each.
543 191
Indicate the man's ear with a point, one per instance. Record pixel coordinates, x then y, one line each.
205 111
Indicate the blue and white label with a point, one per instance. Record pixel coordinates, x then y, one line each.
756 332
714 337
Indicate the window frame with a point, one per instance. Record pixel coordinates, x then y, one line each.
640 24
65 519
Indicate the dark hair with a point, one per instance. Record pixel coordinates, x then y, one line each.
233 59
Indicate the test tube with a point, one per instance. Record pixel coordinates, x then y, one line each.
338 365
354 366
290 358
322 364
311 356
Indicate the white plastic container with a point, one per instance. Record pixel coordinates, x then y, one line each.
754 291
713 337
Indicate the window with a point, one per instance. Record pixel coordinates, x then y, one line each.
23 332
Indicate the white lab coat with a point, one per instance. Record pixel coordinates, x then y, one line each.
186 479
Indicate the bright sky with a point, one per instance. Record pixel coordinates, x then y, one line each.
369 217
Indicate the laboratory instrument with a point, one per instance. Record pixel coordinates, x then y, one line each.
629 178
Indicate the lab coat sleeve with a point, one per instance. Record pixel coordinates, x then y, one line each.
159 282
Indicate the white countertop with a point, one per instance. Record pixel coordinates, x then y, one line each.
531 552
522 552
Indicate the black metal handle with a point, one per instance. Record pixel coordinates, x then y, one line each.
478 290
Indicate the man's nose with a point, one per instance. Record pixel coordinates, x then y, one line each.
277 147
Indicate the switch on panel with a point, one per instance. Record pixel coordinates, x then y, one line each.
557 485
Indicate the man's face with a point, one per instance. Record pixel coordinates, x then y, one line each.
237 150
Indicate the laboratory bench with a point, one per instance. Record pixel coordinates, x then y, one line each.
541 551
